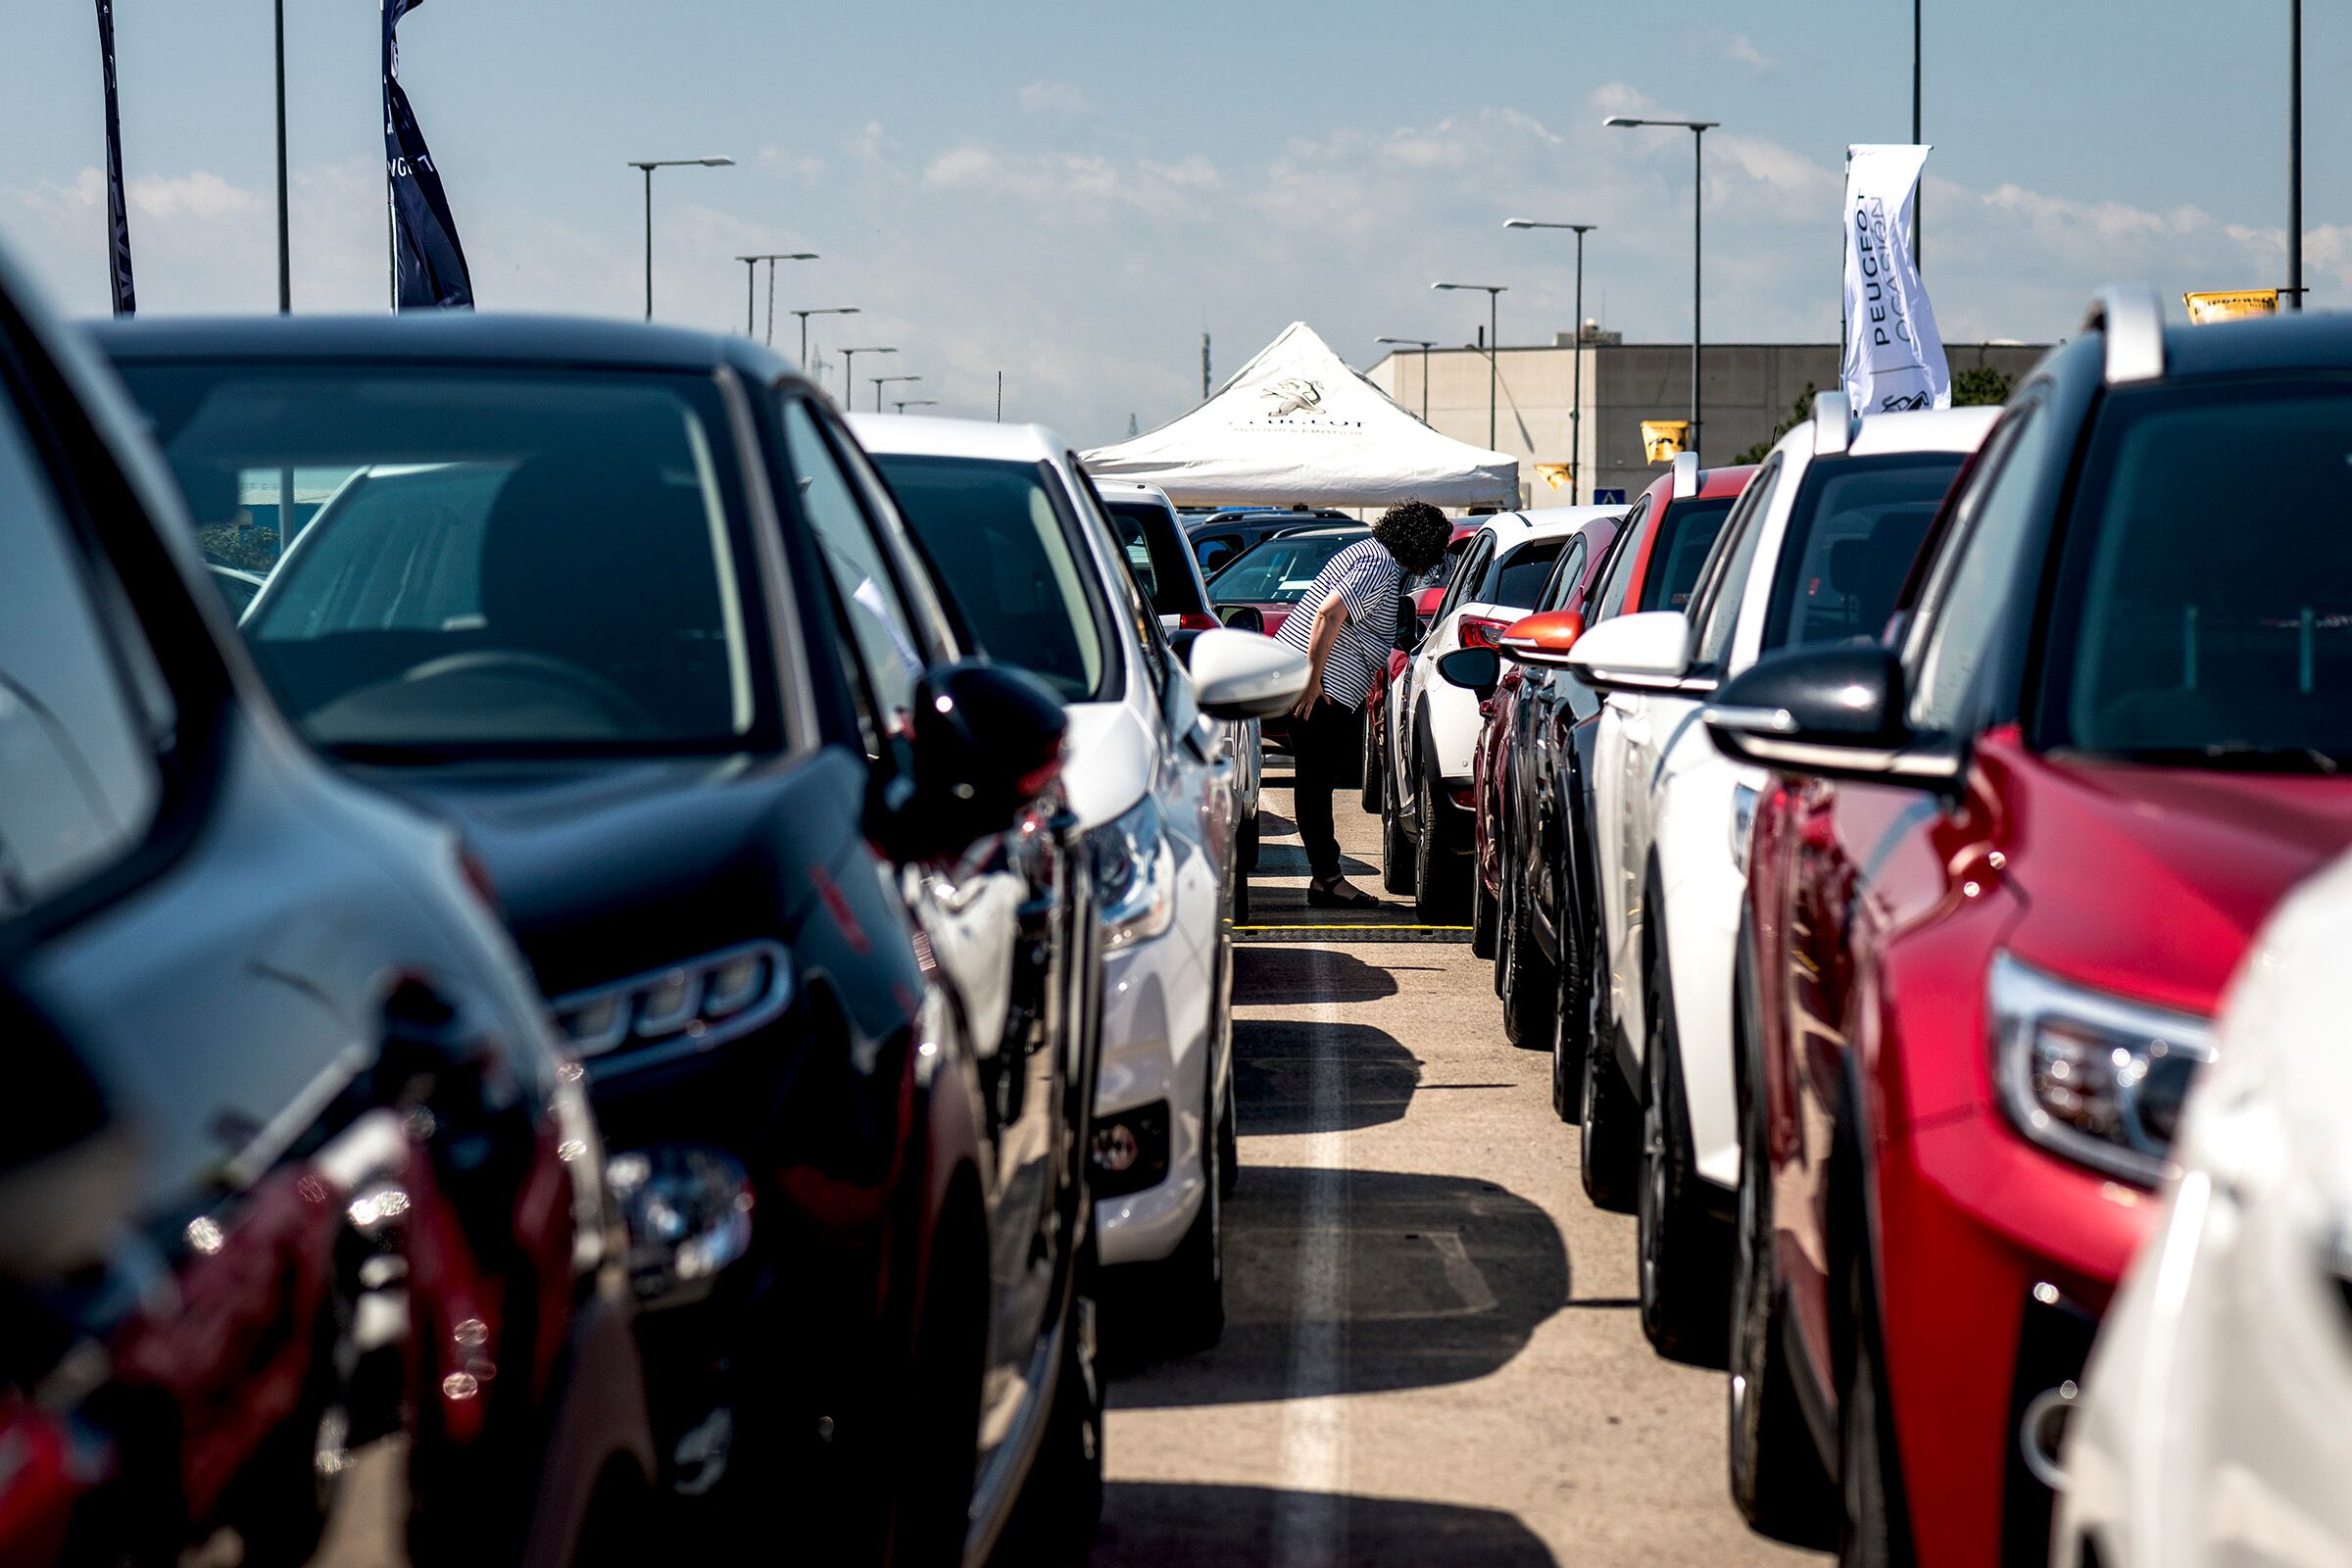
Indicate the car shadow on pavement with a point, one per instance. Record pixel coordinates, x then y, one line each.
1267 975
1274 1075
1164 1525
1430 1280
1290 860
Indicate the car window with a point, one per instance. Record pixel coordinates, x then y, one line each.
1009 552
885 635
1994 523
1216 551
1439 575
1624 552
1473 568
484 558
1129 601
1280 570
1853 532
1566 573
1516 580
1686 537
80 783
1156 554
1718 612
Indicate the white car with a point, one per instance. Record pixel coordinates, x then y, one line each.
1432 731
1814 550
1029 559
2211 1427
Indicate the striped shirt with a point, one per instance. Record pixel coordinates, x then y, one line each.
1368 580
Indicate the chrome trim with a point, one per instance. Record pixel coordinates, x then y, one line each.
2130 317
1750 721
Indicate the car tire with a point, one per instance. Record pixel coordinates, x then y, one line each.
1370 795
1186 1291
1570 1029
1436 896
1684 1282
1873 1531
1241 896
1229 1140
1530 987
925 1504
1395 846
1778 1480
1609 1129
1245 845
1485 916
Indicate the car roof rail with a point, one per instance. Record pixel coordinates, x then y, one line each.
2130 317
1685 474
1834 423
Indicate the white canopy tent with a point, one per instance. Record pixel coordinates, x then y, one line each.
1299 426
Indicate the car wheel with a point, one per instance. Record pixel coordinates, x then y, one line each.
1241 896
1062 1500
1502 936
1435 895
1245 846
1229 1140
1683 1274
1571 1020
1529 986
1778 1480
1485 914
1395 846
1369 795
1609 1129
1873 1531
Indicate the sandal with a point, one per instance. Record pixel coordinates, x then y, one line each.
1346 898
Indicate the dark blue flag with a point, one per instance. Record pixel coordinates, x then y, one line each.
428 266
118 221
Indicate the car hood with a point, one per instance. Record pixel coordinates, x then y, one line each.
2150 881
1110 758
603 868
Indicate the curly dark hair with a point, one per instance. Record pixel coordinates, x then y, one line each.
1415 533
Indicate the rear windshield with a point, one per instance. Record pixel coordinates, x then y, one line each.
1013 563
477 560
1158 555
1685 536
1515 581
1280 570
1851 538
1439 575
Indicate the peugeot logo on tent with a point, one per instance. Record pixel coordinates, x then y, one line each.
1293 393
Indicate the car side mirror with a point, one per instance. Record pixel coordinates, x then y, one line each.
987 745
1239 674
1542 641
1833 711
1477 669
1243 617
1645 652
69 1166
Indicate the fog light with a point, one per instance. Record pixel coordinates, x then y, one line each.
1115 1148
1130 1150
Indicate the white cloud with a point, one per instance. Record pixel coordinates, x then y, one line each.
1740 50
200 195
1060 98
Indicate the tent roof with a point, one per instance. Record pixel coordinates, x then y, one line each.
1298 423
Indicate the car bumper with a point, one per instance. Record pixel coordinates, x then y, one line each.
1159 1035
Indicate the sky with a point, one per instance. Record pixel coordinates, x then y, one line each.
1069 194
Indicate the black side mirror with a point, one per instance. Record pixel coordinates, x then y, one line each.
1477 669
69 1166
987 744
1243 617
1834 710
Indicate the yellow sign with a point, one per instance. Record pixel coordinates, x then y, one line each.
1664 439
1556 474
2232 304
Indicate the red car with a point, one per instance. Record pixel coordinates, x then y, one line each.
2007 866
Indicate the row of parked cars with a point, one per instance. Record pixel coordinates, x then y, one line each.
1880 839
633 980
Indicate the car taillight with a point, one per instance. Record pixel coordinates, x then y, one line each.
1480 633
1197 620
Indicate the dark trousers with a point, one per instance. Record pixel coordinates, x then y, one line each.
1325 744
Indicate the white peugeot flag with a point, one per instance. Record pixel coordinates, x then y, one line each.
1894 354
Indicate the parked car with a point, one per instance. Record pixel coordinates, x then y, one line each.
303 1220
629 607
1220 534
1164 568
1814 551
1272 576
2210 1425
1004 512
2014 854
1431 733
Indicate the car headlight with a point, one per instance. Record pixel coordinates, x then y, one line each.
1135 875
2095 1077
705 1000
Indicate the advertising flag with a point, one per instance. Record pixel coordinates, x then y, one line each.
1894 354
428 266
118 220
2230 305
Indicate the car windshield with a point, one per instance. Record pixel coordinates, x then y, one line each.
1157 556
1685 536
1009 559
2175 643
1280 570
1854 530
1439 575
480 560
1515 581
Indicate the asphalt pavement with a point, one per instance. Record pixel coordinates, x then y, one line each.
1431 1355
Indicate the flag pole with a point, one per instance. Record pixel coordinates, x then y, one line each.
118 218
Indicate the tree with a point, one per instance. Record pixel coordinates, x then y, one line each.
1981 384
1797 415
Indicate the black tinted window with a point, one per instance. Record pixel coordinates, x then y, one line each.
1516 580
1685 537
1281 569
1851 539
1156 555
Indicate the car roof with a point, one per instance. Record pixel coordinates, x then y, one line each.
924 435
2317 341
1919 430
1713 483
1550 522
1130 488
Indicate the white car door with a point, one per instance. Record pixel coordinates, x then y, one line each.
1420 678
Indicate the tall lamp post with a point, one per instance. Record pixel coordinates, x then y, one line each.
1492 292
285 244
848 372
1698 129
903 404
1576 395
649 164
828 310
879 382
2294 154
1424 345
750 267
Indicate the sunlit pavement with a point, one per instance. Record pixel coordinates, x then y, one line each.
1432 1355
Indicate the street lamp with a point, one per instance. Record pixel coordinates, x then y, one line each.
1698 129
828 310
903 404
849 373
1576 396
1494 345
649 164
771 258
878 380
1424 345
2294 154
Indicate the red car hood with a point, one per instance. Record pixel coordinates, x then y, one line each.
2150 881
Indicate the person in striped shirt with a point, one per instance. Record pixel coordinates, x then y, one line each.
1345 625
